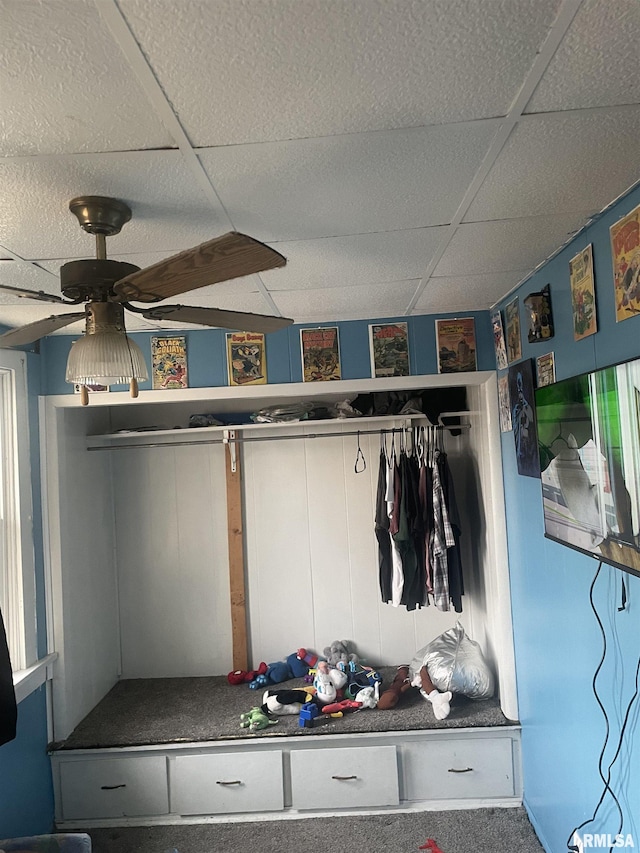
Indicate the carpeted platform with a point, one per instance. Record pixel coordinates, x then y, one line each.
138 712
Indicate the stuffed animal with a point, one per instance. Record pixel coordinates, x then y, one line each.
327 682
241 676
255 720
283 702
399 685
279 671
340 650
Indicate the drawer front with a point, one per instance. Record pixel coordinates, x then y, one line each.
458 768
114 787
227 783
344 778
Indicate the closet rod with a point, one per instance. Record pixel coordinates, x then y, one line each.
288 437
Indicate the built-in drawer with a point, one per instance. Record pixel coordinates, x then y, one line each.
458 768
344 777
227 782
130 786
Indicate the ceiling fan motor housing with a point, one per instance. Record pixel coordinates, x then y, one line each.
104 317
93 278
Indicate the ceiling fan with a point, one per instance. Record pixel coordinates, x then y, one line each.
108 287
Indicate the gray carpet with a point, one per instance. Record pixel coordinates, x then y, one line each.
137 712
471 831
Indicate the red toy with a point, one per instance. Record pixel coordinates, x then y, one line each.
430 844
344 705
240 676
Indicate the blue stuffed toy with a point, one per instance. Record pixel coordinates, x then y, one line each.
281 670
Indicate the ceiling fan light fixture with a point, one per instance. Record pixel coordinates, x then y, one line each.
105 355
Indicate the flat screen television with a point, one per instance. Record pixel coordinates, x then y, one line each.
589 444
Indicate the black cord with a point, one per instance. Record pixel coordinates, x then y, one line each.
606 781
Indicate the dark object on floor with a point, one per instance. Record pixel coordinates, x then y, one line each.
64 842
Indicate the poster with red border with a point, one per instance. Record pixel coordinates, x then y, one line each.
625 255
320 354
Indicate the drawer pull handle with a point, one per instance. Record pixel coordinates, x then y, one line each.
466 770
235 782
111 787
344 778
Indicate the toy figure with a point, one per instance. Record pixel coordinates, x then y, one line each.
255 720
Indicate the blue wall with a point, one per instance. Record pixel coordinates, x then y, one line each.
558 643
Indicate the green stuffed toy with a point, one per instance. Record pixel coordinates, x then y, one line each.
255 720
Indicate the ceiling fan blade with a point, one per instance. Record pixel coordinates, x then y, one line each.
218 317
230 256
40 329
40 295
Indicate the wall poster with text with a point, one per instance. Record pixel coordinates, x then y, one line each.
389 349
498 340
512 321
320 354
583 295
625 254
246 358
169 362
456 345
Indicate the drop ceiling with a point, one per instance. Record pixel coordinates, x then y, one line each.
406 156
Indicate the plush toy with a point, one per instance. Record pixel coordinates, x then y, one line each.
368 697
440 702
340 650
308 658
240 676
327 682
399 685
344 705
255 720
279 671
283 702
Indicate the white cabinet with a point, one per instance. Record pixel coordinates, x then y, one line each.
344 778
453 768
130 786
227 783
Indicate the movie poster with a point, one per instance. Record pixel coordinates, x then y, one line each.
546 369
456 344
498 340
246 360
389 349
583 296
625 254
523 418
514 342
169 362
320 354
504 403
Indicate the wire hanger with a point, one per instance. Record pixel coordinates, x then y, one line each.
360 460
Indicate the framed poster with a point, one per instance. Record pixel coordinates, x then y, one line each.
523 418
540 315
546 369
498 340
583 297
512 320
389 349
456 344
504 403
320 354
169 362
246 360
625 254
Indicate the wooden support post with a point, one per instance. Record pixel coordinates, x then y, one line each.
236 553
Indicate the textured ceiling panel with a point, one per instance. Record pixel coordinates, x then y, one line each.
359 259
565 162
256 70
466 292
488 247
350 303
64 84
347 184
595 65
170 211
16 274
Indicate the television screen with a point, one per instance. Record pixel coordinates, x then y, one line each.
589 444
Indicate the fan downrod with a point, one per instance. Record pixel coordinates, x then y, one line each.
99 214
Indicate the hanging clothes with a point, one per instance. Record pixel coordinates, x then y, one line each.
8 708
454 554
382 523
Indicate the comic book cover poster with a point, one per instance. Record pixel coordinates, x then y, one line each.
512 320
583 296
456 343
389 349
498 340
546 369
169 362
320 354
246 359
625 254
504 403
523 418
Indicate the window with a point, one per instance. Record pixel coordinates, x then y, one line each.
17 575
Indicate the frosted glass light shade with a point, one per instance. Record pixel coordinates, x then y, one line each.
105 358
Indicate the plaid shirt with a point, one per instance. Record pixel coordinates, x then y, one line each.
441 539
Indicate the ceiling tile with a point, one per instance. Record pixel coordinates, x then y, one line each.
257 70
507 245
170 211
594 64
389 299
358 259
466 292
564 162
347 184
73 90
27 276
